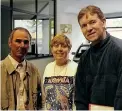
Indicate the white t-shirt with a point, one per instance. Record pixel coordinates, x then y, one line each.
59 86
67 70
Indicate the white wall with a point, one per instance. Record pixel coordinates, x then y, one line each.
63 17
41 63
67 11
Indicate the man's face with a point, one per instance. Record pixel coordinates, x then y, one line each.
19 44
60 52
92 27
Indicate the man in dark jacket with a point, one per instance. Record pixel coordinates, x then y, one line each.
99 73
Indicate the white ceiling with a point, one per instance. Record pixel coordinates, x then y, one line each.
73 6
68 6
107 6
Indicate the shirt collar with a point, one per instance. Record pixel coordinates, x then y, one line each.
15 63
102 44
10 67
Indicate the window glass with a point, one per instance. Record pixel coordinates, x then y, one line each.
117 32
114 27
31 26
5 2
35 15
115 22
27 5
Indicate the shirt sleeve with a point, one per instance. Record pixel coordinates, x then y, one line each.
45 73
81 100
118 98
42 92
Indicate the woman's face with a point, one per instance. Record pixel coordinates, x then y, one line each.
60 52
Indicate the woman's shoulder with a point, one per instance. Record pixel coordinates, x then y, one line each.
49 69
51 64
72 67
72 63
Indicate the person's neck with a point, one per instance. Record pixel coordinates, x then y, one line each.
102 38
61 63
19 60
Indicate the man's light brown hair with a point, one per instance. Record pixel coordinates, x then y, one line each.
92 10
61 39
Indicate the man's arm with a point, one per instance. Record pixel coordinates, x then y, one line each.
4 104
41 90
81 100
118 98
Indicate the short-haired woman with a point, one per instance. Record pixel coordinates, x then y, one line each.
59 76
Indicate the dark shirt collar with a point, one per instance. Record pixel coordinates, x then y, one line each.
102 44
